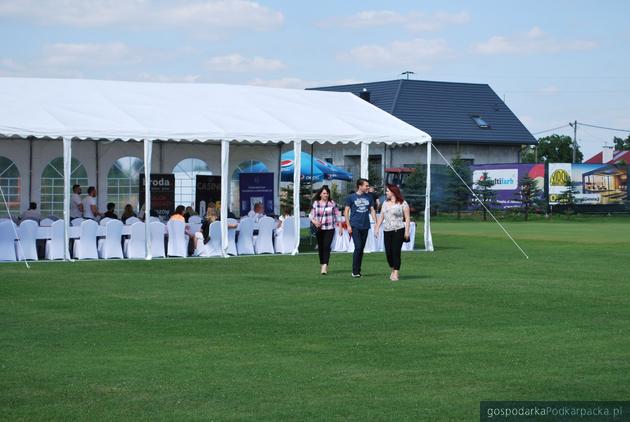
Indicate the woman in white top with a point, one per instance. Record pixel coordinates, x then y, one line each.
396 223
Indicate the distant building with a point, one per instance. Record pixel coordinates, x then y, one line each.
609 156
465 117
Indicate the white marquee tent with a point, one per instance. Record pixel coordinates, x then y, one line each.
75 110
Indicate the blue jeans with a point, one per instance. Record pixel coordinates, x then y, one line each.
359 238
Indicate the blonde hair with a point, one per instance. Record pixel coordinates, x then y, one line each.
211 214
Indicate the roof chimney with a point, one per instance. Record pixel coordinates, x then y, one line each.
365 94
607 154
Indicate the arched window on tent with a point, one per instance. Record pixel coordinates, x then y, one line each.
248 166
52 185
186 172
10 185
123 182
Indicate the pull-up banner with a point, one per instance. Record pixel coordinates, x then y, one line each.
256 188
207 189
162 194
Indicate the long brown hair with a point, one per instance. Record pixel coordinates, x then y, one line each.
396 191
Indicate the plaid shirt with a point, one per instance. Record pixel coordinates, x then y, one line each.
326 213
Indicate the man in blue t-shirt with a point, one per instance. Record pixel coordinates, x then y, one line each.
359 206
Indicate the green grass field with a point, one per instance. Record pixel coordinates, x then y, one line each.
268 338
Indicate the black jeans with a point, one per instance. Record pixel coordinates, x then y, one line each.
393 245
324 242
359 237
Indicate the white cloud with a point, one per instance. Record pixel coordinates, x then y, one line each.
88 55
418 53
297 83
191 14
238 63
412 21
550 90
533 41
151 77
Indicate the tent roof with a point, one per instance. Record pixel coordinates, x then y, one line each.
114 110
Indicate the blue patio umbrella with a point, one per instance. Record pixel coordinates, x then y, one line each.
321 169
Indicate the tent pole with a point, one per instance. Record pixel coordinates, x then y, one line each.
428 238
365 158
148 151
225 163
297 169
67 172
312 152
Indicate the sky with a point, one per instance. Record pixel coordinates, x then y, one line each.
553 62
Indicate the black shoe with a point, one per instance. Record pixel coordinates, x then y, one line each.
356 275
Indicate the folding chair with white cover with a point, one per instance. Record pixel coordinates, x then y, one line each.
264 241
27 233
194 219
338 244
135 246
7 241
57 242
245 244
110 247
157 239
46 222
85 245
231 250
370 241
132 220
408 246
380 243
152 219
104 221
77 221
177 239
213 247
285 239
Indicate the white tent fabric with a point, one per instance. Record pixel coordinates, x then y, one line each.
141 111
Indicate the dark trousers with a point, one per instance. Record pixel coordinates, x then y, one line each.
324 242
393 245
359 237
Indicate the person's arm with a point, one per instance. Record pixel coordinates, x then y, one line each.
373 213
94 209
377 227
346 214
407 221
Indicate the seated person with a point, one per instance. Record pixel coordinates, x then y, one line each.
110 211
178 215
127 213
189 212
257 213
32 213
284 213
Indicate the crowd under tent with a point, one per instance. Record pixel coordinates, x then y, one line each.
227 116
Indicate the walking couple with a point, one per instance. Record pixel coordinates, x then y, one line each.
359 206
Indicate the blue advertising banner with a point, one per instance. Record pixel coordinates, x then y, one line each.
506 178
256 188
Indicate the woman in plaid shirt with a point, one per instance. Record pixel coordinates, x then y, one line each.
324 216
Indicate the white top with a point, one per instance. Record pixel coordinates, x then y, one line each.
87 209
255 216
75 201
393 216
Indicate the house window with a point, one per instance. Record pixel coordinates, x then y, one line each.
186 172
480 121
10 185
52 185
123 182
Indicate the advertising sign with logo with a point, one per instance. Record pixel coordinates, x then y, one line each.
596 184
256 188
162 194
506 179
207 189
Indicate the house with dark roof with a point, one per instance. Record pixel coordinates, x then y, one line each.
465 117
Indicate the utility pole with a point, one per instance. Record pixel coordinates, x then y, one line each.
574 125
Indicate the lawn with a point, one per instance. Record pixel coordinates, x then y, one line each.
268 338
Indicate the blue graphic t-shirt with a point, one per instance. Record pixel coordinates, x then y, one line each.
360 210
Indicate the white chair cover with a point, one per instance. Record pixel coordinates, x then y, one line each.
380 243
194 219
110 247
132 220
370 242
56 244
7 241
245 244
285 239
194 227
135 245
408 246
264 241
77 221
28 238
104 221
154 219
177 239
213 247
46 222
157 239
231 250
85 245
